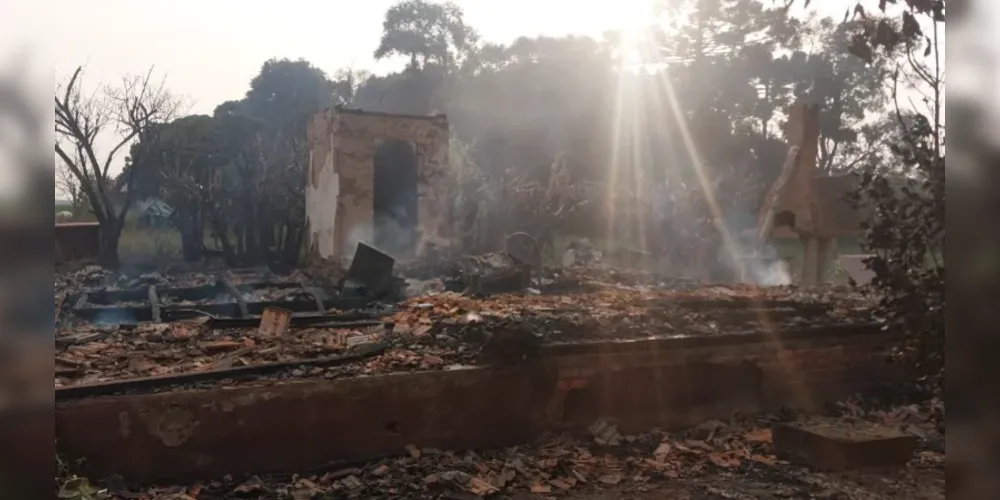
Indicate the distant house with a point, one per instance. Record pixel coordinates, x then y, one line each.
153 213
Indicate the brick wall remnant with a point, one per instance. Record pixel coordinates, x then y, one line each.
340 190
671 383
77 241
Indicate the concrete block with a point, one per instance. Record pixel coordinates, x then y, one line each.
834 445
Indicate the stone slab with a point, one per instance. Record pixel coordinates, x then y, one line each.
833 445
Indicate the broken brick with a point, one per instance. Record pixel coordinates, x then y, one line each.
274 322
219 346
832 445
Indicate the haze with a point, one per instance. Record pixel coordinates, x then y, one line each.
209 51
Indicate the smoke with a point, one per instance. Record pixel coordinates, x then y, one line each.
359 233
391 235
762 268
114 316
386 234
767 272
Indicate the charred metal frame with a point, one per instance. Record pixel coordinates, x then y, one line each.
92 305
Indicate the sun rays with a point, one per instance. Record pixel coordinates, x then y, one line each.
646 102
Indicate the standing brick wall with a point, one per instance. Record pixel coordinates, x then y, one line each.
76 241
340 189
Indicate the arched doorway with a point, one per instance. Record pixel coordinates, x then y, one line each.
394 203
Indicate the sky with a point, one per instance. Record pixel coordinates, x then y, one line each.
208 50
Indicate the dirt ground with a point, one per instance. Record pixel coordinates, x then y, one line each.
922 479
918 481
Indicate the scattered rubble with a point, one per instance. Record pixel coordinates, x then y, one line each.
437 329
612 311
92 354
441 330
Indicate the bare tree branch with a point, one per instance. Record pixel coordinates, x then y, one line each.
86 184
67 182
134 108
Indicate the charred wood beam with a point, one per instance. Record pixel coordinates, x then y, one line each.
351 319
147 384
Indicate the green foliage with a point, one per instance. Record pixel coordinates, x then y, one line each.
887 34
725 74
286 93
241 171
70 486
733 66
906 230
79 488
906 237
425 32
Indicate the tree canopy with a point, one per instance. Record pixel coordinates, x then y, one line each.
639 116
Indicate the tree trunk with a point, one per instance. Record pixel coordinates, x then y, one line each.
292 245
110 234
268 226
199 224
276 233
228 253
241 246
191 244
248 231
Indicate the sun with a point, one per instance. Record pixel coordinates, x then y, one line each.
628 15
633 21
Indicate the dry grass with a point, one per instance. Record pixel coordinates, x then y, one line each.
146 243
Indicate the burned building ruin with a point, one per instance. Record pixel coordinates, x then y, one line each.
377 178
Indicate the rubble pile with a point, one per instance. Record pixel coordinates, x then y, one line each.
104 353
441 330
715 460
614 311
